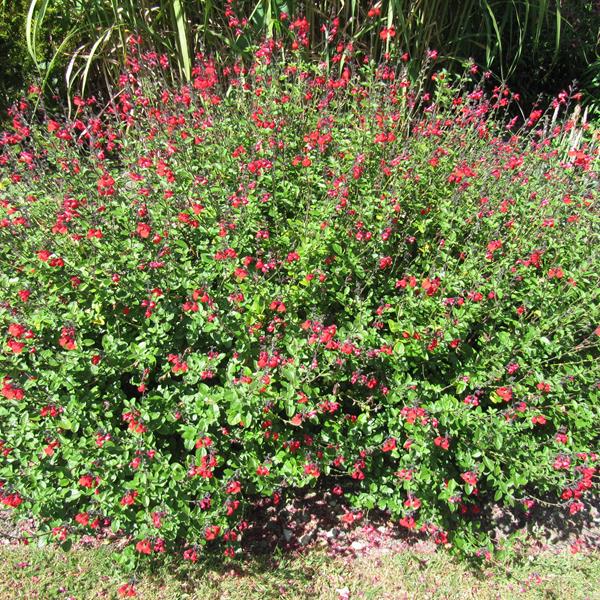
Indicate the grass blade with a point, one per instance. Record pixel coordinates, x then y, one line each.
184 57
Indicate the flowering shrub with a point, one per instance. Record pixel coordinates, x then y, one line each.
274 279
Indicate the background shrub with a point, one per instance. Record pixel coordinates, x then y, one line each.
539 45
13 50
18 68
273 279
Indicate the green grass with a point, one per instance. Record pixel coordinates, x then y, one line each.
29 572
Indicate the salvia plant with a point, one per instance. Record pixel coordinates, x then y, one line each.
274 278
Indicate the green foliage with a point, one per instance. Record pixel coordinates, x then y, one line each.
272 279
18 68
13 50
577 59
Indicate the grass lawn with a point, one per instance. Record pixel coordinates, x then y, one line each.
30 572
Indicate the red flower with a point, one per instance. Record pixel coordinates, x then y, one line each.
312 469
24 295
190 554
86 481
49 449
389 445
562 462
385 262
442 442
387 33
144 547
82 518
204 442
469 477
350 517
67 338
127 591
278 306
440 537
534 117
16 347
105 185
233 487
431 286
143 230
16 330
232 507
129 498
11 392
412 502
575 507
505 393
212 532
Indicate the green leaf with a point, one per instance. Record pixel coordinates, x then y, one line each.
182 42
